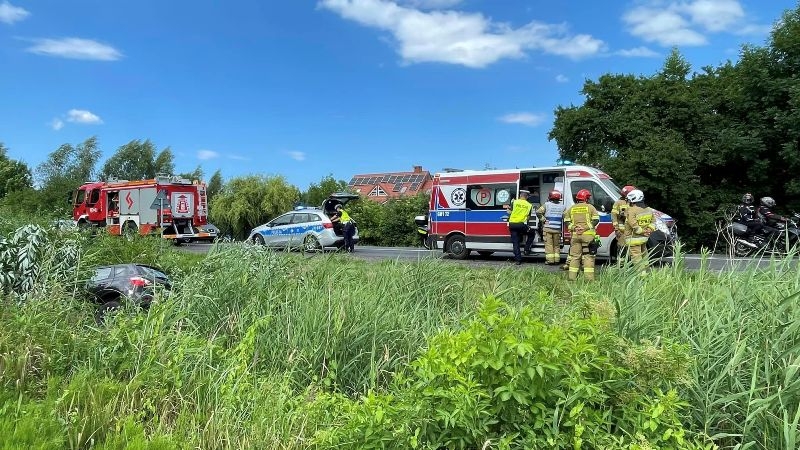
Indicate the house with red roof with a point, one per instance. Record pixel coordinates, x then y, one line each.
381 187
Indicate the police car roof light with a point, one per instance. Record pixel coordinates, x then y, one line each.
563 162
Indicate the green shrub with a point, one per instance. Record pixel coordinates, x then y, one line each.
508 380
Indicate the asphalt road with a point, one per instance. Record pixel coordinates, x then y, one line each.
691 261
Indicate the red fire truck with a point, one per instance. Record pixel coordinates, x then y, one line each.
172 206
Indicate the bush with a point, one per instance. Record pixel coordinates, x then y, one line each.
508 380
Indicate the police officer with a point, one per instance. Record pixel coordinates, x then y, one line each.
639 224
747 215
552 212
349 230
520 210
582 218
618 218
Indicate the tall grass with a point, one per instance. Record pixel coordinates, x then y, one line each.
743 331
248 338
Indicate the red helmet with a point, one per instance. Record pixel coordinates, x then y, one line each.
554 195
583 195
627 190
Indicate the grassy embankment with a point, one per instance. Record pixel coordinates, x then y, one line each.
257 349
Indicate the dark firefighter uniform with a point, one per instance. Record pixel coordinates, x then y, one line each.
581 219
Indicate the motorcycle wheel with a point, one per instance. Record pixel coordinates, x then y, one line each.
741 250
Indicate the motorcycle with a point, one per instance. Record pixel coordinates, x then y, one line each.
785 238
423 231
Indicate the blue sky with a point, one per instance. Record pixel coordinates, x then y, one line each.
304 88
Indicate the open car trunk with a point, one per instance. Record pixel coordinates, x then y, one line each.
329 207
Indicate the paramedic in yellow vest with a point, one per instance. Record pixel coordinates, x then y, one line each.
520 210
639 223
618 218
581 219
552 212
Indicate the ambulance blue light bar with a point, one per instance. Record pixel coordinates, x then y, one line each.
564 162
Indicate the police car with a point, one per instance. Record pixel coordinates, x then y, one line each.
306 228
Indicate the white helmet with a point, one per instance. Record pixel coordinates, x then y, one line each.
635 196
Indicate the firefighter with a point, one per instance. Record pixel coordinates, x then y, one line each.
639 224
552 213
349 230
618 218
581 219
520 210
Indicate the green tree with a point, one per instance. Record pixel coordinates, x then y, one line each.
196 174
318 192
246 202
215 185
138 160
14 175
695 142
62 172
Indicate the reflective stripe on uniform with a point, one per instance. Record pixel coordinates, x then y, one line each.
553 212
588 269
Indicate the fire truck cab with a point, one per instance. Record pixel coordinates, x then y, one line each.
172 206
466 211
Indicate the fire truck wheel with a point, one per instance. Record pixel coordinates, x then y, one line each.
129 230
457 247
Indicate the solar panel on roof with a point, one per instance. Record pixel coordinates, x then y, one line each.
415 186
385 179
397 187
352 181
393 179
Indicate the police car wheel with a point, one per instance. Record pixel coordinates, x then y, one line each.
258 239
311 244
457 247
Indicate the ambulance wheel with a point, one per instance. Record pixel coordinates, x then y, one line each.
457 247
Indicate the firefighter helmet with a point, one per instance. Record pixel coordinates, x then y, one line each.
583 195
747 199
769 202
635 196
554 195
626 190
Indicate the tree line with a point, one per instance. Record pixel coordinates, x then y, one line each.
696 141
235 206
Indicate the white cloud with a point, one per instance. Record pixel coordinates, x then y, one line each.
75 48
57 124
10 13
674 22
431 4
206 154
297 156
561 78
455 37
754 29
523 118
82 116
714 15
637 52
